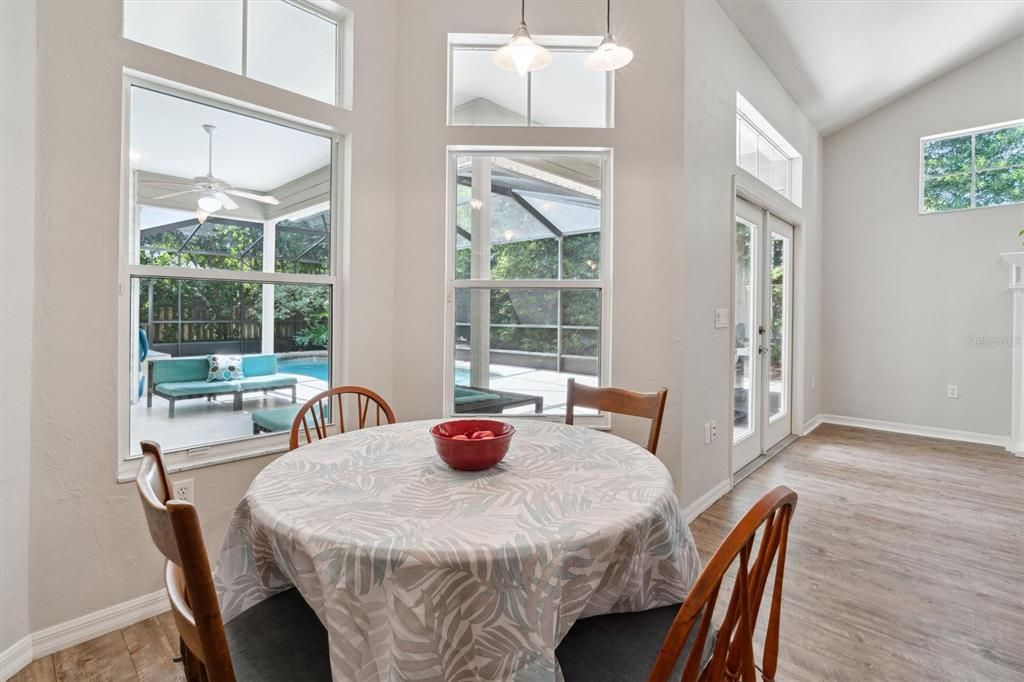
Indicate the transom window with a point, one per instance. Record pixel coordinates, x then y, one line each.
565 93
230 275
528 279
764 153
973 168
287 43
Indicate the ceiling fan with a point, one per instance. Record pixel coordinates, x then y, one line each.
213 192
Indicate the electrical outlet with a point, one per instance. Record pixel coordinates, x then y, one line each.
714 429
707 432
721 318
953 391
184 491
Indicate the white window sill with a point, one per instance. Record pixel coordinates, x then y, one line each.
208 456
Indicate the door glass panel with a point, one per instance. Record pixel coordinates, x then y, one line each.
745 331
778 363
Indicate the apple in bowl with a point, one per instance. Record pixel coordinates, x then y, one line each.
472 444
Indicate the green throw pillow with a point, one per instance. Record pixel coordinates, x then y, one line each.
225 367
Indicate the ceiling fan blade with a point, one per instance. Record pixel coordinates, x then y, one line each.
174 194
228 202
201 216
262 198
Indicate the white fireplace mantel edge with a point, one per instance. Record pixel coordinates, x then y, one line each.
1015 262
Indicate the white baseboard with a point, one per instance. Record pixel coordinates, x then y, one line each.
69 633
698 506
911 429
812 424
15 657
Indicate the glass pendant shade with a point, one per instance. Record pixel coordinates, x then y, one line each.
522 54
609 55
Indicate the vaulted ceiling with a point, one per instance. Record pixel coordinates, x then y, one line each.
842 60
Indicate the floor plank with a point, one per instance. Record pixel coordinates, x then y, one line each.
103 659
152 649
40 670
905 563
904 560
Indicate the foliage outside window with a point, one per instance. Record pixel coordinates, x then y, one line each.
973 170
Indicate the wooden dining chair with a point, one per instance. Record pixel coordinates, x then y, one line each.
319 413
279 639
619 401
679 642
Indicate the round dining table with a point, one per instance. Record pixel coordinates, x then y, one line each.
420 571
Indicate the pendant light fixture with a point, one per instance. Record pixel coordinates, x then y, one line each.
521 54
609 55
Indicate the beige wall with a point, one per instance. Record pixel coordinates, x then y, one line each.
647 177
90 548
17 237
905 292
719 61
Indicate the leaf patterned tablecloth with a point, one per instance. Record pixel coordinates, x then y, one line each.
421 572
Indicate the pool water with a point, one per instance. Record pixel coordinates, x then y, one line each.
315 368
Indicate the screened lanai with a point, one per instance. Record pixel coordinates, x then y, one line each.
523 219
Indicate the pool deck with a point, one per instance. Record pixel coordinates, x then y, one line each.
199 422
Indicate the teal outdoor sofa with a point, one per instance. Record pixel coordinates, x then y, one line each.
181 378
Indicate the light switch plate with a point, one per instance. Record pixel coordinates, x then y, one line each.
721 318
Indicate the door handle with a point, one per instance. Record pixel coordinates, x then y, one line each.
761 350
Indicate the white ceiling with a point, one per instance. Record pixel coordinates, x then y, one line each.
167 137
842 60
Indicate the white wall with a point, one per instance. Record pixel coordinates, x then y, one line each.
647 176
720 62
90 548
17 236
905 292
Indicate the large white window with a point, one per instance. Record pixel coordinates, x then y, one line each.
288 43
528 279
973 168
764 153
230 278
563 94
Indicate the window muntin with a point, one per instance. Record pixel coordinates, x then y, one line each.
973 169
529 301
287 43
564 94
757 154
256 280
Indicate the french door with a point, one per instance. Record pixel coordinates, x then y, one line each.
763 331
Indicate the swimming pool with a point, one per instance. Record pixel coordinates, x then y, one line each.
313 367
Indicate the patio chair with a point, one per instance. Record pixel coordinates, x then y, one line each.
269 642
319 412
679 642
620 401
473 400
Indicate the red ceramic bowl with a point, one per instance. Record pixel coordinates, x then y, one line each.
472 455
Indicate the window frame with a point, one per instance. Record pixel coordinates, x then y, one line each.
602 284
973 132
342 27
554 44
130 269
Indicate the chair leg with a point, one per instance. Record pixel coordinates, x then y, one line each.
293 393
237 405
193 667
170 408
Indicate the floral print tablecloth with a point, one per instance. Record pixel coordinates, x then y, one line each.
421 572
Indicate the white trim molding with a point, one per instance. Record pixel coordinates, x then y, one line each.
812 424
15 657
908 429
702 503
77 630
1015 262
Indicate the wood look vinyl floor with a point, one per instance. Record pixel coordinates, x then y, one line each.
906 562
